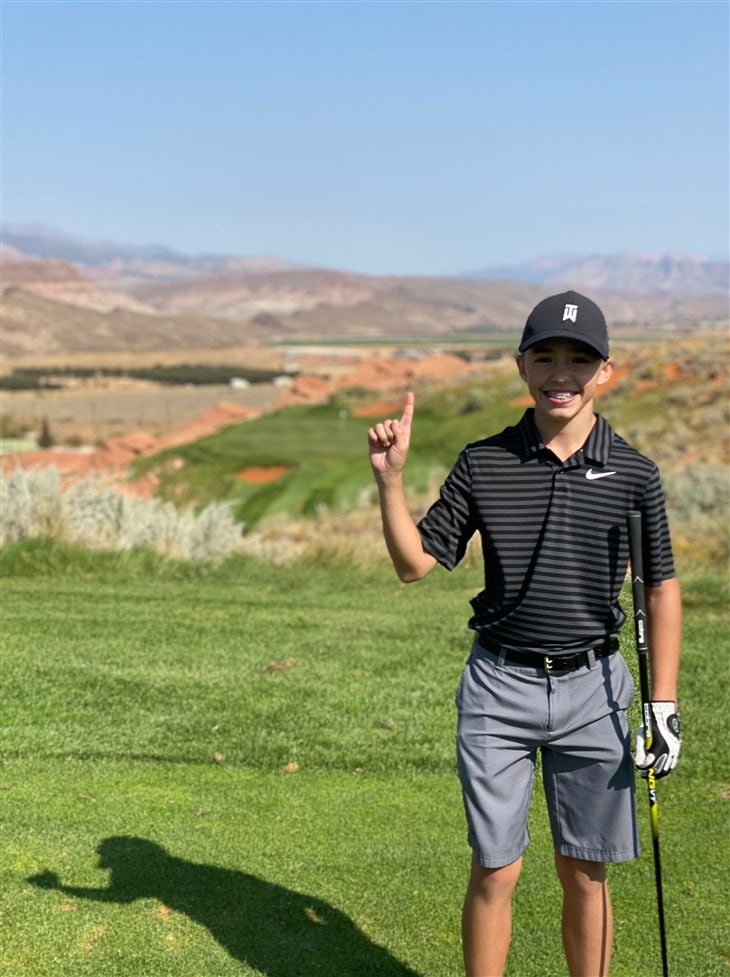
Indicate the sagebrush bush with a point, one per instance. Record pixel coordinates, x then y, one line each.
30 505
698 502
35 504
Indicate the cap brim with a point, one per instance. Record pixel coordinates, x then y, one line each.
542 337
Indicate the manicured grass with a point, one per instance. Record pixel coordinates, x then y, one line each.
322 471
325 449
151 711
322 448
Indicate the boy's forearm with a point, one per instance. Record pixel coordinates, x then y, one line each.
401 534
664 613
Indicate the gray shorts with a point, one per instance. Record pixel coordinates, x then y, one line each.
578 721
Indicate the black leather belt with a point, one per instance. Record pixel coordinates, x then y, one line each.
550 663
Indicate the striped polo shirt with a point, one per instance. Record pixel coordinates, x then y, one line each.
553 533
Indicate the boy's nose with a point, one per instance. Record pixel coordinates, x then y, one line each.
561 371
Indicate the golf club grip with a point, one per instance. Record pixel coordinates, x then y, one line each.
636 553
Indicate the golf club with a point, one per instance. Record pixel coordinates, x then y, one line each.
642 649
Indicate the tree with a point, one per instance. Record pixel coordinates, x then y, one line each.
46 439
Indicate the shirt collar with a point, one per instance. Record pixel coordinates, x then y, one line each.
532 442
596 449
598 444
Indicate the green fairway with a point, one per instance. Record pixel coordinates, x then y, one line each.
320 459
249 770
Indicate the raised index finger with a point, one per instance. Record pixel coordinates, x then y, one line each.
408 409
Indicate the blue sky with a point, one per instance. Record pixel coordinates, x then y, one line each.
389 137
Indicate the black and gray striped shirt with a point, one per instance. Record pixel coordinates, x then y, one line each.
554 535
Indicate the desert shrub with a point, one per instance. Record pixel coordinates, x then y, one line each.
464 354
473 404
34 504
698 501
11 426
30 505
213 533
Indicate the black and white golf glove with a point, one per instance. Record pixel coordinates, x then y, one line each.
663 752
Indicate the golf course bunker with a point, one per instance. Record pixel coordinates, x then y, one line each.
258 475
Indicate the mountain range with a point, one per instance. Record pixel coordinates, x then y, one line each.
635 271
114 264
62 294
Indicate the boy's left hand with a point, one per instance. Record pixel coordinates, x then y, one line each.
665 740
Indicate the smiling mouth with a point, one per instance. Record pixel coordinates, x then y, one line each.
560 396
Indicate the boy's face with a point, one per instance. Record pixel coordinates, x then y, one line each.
563 377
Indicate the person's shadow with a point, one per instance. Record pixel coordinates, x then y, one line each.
277 931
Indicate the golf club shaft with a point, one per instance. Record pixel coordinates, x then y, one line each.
636 551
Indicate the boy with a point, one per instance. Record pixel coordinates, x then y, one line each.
549 498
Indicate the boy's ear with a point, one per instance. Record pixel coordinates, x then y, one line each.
520 361
606 371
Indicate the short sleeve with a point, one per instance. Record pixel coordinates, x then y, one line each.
449 524
658 555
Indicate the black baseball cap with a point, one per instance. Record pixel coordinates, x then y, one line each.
567 316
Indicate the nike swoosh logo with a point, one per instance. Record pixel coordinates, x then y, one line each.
592 476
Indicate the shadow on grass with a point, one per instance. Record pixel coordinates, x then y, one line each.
277 931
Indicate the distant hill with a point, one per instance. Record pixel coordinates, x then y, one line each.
62 281
130 265
681 273
61 294
35 325
124 265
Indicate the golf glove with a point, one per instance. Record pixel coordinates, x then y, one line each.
665 740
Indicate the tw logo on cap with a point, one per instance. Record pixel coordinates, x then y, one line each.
570 312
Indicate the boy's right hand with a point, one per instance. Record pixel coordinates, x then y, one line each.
388 441
45 880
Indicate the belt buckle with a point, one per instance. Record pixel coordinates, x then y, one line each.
548 663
